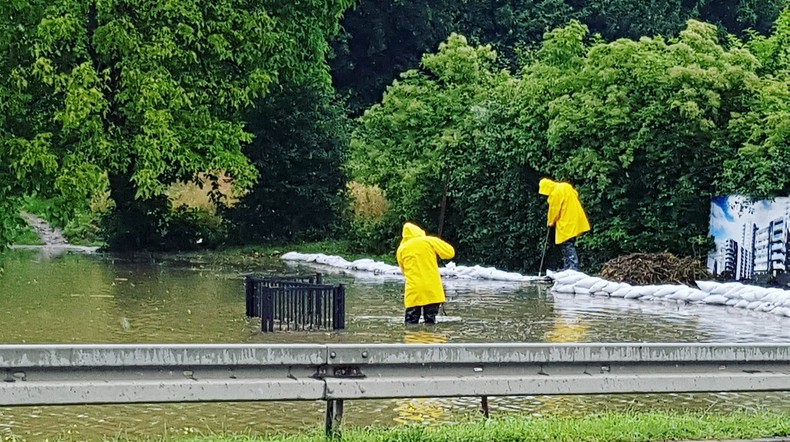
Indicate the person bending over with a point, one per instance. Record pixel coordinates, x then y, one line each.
567 217
423 293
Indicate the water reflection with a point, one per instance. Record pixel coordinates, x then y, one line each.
425 410
198 298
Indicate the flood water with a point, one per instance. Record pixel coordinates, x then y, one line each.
76 298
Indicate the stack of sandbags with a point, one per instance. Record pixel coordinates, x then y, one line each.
379 268
771 300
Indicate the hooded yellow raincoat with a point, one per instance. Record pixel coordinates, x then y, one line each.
565 210
417 259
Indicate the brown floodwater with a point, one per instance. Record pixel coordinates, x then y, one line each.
199 298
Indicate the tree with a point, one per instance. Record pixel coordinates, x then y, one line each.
644 135
300 149
409 142
643 128
763 134
511 25
383 38
146 92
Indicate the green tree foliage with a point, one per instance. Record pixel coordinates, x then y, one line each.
299 150
145 92
383 38
763 134
642 128
645 133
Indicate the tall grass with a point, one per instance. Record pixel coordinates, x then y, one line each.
368 203
605 427
194 195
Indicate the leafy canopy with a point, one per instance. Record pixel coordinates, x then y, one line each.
145 92
648 131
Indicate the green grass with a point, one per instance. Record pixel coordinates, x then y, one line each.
83 229
39 206
605 427
329 247
26 237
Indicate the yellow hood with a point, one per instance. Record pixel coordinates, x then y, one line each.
416 257
546 186
411 231
565 214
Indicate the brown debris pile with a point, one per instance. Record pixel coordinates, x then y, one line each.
655 268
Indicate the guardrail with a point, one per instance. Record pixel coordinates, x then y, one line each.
113 374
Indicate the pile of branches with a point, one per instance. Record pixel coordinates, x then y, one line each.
655 268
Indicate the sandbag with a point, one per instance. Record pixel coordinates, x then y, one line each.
715 299
587 282
665 290
622 291
765 307
747 294
633 293
742 303
681 294
698 295
723 289
569 277
580 290
732 302
599 286
613 287
567 289
753 305
709 286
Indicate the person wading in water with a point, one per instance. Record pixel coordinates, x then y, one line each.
423 293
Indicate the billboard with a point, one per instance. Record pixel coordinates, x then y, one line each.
751 237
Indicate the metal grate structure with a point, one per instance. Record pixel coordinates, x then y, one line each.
295 303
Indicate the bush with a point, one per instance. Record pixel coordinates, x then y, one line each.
644 129
300 146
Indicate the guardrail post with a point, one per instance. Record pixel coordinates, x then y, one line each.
334 417
484 407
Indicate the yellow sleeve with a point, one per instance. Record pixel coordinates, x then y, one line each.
555 207
443 249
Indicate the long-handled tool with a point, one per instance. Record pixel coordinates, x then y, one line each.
545 246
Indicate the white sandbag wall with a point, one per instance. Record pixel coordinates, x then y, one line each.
379 268
734 294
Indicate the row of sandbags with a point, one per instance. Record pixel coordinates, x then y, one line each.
771 300
379 268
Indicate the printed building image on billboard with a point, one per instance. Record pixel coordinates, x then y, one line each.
751 237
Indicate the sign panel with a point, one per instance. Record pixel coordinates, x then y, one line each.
751 237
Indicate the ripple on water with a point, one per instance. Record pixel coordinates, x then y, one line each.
95 299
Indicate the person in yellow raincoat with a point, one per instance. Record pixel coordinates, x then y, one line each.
423 294
567 216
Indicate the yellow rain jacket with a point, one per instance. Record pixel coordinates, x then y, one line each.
417 260
565 210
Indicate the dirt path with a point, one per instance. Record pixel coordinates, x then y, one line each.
50 236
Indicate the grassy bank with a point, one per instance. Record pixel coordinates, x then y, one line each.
607 427
27 237
329 247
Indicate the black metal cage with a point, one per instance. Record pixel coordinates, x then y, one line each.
295 302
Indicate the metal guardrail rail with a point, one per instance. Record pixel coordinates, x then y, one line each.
114 374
